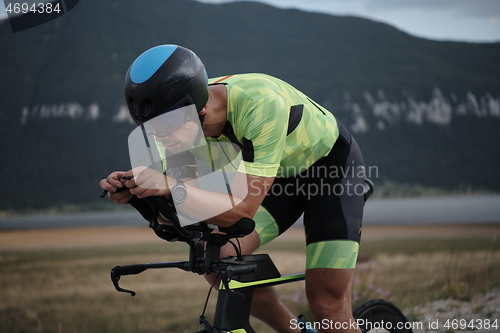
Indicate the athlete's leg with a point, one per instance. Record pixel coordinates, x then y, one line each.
333 221
329 295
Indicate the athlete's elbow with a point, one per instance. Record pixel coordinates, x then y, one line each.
239 212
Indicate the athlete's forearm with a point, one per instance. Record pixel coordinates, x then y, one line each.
203 205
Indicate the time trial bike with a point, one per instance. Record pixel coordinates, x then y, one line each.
240 275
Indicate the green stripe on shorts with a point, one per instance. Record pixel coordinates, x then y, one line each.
332 254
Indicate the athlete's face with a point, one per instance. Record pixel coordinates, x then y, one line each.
180 140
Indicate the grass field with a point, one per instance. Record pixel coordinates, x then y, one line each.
58 280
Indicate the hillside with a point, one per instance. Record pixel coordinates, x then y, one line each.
423 111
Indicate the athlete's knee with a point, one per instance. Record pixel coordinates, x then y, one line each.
329 291
326 303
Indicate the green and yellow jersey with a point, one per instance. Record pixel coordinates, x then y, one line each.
281 131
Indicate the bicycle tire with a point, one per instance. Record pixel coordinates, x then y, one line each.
378 315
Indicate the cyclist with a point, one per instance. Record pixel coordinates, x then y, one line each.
297 158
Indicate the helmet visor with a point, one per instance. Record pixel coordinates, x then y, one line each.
168 122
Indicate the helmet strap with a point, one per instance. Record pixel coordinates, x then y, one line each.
202 119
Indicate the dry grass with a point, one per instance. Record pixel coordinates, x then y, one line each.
58 280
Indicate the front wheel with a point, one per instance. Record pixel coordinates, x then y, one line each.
379 316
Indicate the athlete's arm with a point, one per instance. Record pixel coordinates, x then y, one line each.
246 194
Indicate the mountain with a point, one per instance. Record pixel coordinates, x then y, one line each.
423 111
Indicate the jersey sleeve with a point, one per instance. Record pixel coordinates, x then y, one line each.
263 129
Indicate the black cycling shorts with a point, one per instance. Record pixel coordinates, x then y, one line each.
330 193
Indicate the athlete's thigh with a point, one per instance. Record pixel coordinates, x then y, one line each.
278 212
280 209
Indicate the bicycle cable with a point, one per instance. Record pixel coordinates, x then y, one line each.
239 246
208 296
236 249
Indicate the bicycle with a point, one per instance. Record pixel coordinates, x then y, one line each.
241 274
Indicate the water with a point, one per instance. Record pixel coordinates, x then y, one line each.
439 210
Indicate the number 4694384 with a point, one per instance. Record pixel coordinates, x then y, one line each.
40 8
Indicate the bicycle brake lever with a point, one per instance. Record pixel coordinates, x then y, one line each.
115 277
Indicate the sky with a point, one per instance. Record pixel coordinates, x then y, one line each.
457 20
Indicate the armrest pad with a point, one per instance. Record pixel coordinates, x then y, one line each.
242 228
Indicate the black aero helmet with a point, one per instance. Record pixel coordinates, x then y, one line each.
164 78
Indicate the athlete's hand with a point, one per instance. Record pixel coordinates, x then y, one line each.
148 182
116 188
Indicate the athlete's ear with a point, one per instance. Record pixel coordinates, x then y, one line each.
203 111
